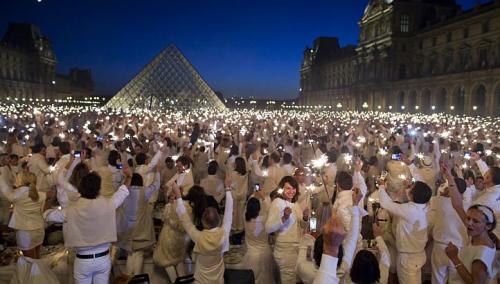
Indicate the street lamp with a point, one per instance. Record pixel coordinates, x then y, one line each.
452 107
402 107
365 105
433 107
339 105
474 107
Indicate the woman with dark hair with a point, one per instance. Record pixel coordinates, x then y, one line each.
365 268
112 174
473 263
258 256
287 220
239 178
170 251
135 221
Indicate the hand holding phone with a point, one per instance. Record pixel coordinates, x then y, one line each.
257 187
77 154
396 157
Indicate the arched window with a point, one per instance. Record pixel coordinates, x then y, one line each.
405 23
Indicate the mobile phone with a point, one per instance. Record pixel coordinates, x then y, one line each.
396 157
312 224
99 138
257 187
77 154
467 155
119 166
383 175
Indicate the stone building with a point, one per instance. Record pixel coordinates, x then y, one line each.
28 69
412 55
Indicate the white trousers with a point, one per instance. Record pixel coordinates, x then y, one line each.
285 255
93 270
409 267
440 263
134 262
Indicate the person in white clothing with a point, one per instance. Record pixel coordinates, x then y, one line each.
213 241
287 220
307 270
90 228
183 178
38 165
239 177
411 230
490 196
212 183
446 227
333 235
474 263
258 256
27 217
135 224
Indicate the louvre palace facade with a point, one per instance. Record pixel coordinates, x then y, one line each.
28 70
412 56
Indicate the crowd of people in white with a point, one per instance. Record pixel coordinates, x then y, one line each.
312 197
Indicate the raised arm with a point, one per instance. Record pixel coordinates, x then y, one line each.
11 195
384 261
154 161
456 198
228 210
350 242
333 235
149 190
186 222
386 202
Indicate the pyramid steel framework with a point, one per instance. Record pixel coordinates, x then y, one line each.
169 81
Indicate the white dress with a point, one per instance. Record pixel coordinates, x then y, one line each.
470 253
240 189
258 256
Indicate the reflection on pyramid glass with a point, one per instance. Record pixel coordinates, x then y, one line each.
169 81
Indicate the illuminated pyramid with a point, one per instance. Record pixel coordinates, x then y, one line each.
169 81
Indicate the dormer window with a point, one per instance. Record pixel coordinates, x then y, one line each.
405 23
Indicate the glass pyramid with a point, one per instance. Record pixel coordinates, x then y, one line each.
169 81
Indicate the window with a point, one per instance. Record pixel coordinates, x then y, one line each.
466 32
483 57
448 37
405 23
402 71
485 26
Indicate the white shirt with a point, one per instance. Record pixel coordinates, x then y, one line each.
327 272
490 196
306 269
446 224
288 231
411 224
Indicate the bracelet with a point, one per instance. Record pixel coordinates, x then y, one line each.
459 264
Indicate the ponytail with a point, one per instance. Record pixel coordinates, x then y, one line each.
33 192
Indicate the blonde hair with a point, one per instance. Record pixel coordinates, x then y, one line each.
25 178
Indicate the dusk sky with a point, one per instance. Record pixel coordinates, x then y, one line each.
241 48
